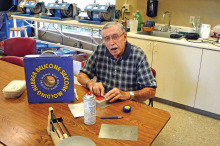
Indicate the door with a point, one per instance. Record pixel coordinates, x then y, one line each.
208 92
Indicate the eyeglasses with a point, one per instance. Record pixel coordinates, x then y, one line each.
114 37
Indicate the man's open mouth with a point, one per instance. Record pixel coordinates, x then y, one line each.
114 48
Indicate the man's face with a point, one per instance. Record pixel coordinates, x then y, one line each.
114 40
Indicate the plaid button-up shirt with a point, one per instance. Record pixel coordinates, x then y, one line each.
130 72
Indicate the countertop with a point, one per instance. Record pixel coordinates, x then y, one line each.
182 41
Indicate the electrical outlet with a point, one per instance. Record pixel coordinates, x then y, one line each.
127 7
191 19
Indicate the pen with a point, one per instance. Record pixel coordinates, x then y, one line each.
76 94
113 117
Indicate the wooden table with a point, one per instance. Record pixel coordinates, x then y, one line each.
22 123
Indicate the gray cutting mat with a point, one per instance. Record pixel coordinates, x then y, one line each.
122 132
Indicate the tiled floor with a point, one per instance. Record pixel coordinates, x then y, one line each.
187 129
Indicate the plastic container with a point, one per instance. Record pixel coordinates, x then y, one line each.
148 26
124 23
205 31
14 89
139 18
133 25
40 47
79 61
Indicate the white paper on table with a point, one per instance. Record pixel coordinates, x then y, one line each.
77 109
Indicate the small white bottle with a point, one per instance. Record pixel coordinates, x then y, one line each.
89 109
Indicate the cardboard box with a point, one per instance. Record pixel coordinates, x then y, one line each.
49 78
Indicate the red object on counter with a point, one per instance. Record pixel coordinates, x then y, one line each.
99 98
215 35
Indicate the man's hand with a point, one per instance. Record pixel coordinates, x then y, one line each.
96 88
115 94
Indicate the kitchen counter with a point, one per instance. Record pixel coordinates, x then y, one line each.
183 41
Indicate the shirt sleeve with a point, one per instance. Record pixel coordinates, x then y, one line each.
145 77
90 65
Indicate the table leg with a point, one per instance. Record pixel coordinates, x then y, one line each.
36 29
14 21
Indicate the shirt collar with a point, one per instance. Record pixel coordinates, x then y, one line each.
126 53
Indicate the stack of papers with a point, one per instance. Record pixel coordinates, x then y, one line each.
77 109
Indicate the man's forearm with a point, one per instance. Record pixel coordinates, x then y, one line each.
140 95
83 79
144 94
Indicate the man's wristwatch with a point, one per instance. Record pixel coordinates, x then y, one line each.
131 95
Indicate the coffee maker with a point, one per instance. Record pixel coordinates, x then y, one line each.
152 6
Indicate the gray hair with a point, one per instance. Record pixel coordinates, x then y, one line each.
110 24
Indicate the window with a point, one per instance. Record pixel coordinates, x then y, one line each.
71 29
82 3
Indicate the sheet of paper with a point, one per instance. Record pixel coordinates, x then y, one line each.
77 109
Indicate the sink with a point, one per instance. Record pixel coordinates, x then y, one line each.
156 33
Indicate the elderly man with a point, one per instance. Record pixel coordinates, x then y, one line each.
121 68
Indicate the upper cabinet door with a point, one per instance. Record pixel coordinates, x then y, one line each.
208 92
177 72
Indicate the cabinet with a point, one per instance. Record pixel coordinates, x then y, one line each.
186 75
208 93
145 45
177 69
177 72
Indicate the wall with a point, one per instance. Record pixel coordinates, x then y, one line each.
180 10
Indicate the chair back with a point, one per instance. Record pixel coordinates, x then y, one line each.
13 59
19 46
151 99
153 71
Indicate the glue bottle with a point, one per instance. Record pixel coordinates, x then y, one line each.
89 109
